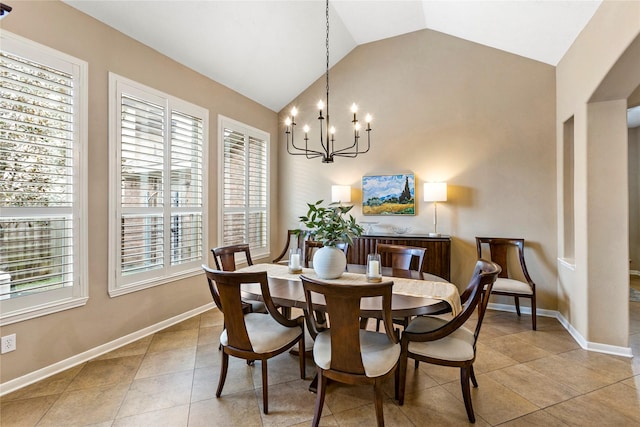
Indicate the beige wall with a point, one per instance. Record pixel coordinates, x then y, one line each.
594 79
50 339
447 110
634 199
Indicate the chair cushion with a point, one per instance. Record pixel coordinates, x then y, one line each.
379 354
422 324
458 346
265 333
513 286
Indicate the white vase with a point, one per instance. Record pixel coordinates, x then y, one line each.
329 262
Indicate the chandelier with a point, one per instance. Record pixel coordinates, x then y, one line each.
327 148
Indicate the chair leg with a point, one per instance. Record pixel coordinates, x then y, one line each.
401 382
302 356
396 382
472 374
517 306
265 387
322 386
466 393
377 388
533 312
223 372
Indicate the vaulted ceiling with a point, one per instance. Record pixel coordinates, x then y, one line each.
271 50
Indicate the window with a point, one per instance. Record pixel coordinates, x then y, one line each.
158 187
244 183
43 134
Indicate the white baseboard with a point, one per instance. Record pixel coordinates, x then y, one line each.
63 365
594 346
634 272
523 309
586 345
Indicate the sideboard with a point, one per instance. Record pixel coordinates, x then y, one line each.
438 250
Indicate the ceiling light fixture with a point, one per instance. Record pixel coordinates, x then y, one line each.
327 141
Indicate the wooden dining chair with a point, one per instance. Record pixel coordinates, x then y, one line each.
225 260
295 239
402 257
507 253
252 336
445 342
343 352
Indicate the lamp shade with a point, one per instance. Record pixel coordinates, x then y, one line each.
435 191
341 193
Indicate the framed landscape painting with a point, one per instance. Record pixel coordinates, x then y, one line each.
389 194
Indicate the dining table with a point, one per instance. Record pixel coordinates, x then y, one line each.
414 293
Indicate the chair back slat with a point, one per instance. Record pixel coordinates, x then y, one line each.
343 309
402 257
225 256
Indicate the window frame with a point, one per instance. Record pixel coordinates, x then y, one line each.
248 131
43 303
118 284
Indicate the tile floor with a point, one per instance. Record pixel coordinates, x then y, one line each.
526 378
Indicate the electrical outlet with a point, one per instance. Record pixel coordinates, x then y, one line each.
8 343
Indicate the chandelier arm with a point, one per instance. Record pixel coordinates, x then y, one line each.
345 153
303 151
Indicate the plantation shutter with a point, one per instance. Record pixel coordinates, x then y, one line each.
142 185
36 177
244 189
186 188
235 188
257 193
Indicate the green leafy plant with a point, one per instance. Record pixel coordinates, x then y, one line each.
332 224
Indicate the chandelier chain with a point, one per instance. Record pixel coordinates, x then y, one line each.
327 75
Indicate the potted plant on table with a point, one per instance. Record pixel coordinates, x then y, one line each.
331 226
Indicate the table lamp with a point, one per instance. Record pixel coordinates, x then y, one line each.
341 193
435 192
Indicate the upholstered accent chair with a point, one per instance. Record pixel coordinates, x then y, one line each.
508 253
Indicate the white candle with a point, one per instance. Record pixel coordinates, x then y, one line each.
374 268
294 261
